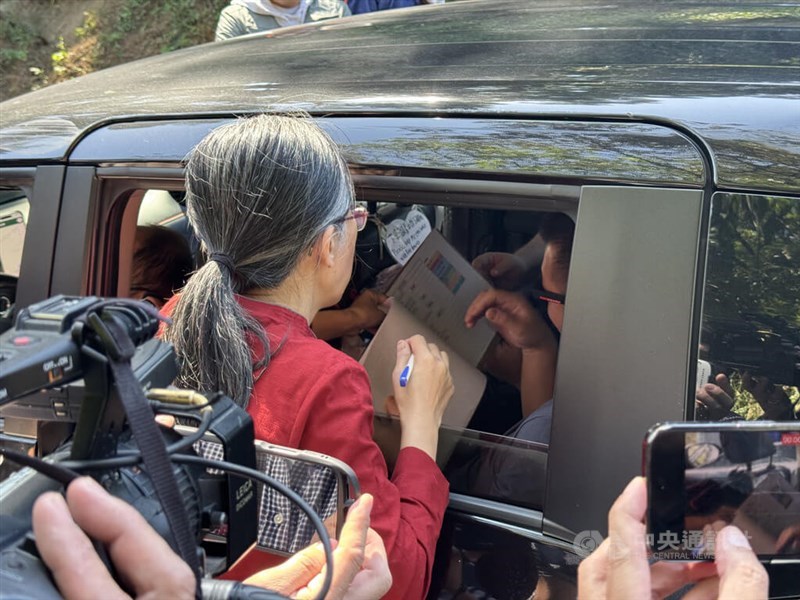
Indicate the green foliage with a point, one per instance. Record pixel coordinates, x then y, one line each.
753 276
746 404
754 257
122 27
704 15
17 39
147 27
89 26
59 57
117 31
79 58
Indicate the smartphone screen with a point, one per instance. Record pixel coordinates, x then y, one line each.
702 477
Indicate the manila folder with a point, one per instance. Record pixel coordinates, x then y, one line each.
381 354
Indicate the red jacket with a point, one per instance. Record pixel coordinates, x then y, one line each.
314 397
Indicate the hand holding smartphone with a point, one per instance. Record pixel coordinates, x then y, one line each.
704 476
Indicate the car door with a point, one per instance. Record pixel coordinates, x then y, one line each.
29 205
638 254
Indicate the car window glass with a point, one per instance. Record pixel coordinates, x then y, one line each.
486 561
13 225
498 449
157 256
749 355
489 454
158 207
14 208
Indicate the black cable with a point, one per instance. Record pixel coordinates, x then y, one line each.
319 526
116 338
64 475
129 458
60 473
281 488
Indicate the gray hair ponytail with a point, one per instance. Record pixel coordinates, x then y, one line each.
259 192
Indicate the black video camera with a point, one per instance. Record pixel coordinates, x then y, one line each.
58 364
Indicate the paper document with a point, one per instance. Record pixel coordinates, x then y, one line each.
380 356
437 285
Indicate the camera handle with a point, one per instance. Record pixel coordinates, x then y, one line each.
119 350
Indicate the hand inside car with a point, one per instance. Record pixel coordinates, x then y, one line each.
368 310
619 569
788 541
503 361
513 317
503 270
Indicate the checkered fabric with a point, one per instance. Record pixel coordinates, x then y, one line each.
282 526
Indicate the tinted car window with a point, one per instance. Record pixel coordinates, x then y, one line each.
479 459
13 221
14 208
500 453
750 340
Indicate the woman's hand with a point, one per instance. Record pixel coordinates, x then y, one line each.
513 317
421 403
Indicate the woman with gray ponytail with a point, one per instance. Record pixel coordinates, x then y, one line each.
271 201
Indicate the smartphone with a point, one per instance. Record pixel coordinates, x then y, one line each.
328 484
704 476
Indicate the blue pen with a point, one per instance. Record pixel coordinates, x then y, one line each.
406 373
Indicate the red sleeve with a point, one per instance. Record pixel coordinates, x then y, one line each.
409 509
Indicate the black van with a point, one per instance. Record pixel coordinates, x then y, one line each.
669 131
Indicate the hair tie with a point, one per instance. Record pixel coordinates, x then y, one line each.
223 260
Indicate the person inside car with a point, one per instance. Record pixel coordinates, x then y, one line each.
161 263
271 201
526 332
366 312
251 16
507 271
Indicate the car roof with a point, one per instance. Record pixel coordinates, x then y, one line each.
730 72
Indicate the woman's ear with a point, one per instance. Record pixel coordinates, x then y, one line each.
327 247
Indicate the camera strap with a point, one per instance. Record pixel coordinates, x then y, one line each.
150 441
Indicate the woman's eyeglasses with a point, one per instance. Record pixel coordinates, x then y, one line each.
546 296
360 215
